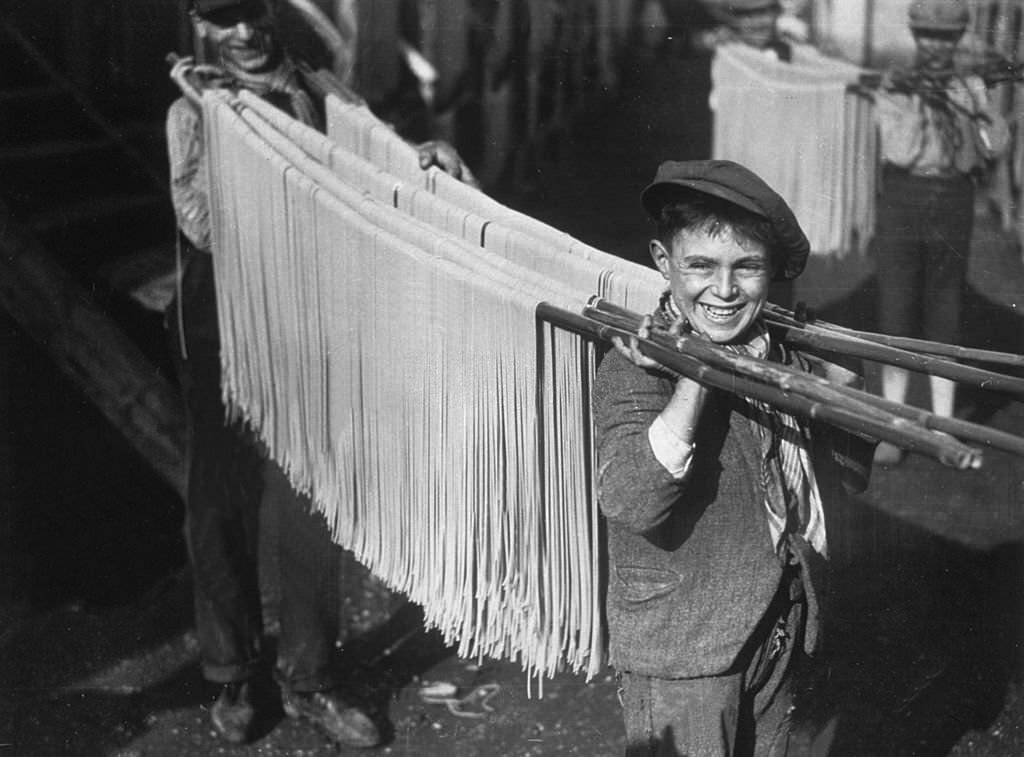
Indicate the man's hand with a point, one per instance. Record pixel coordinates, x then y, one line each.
181 68
192 78
186 66
441 154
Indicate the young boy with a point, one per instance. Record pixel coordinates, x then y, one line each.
938 131
716 529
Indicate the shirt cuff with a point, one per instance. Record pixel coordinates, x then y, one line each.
672 452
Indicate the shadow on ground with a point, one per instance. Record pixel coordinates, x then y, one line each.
924 643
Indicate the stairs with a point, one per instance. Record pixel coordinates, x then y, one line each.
92 428
90 186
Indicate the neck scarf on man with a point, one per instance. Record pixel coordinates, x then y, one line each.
281 87
791 496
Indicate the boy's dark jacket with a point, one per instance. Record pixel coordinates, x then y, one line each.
691 565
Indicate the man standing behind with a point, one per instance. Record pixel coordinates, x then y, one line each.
228 472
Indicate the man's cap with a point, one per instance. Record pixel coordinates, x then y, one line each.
939 15
229 12
740 186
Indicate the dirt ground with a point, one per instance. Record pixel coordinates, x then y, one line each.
924 653
920 663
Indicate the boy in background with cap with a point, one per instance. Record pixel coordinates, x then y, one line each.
228 473
938 132
755 23
714 503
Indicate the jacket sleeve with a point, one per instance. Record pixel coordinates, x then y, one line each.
186 154
635 491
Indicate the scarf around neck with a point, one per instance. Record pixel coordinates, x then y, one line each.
281 84
791 497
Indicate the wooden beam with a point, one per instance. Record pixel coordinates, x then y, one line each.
91 350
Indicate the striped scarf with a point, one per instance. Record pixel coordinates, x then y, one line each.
791 496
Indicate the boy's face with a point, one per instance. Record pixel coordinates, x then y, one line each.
719 281
245 41
935 50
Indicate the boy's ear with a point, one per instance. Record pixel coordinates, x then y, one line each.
660 256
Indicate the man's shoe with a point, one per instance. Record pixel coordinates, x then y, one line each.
343 723
232 713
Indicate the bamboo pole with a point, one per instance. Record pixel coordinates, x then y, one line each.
965 430
931 365
783 378
799 334
945 449
878 348
784 317
788 379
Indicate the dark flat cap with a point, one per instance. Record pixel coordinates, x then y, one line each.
740 186
226 12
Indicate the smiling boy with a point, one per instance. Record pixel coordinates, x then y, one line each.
714 503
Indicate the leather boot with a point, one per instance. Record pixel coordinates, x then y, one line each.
232 714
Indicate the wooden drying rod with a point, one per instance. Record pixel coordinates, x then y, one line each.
951 441
781 316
